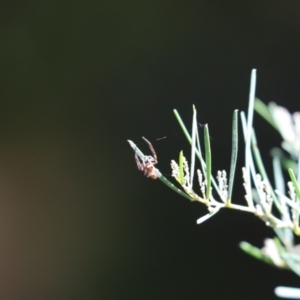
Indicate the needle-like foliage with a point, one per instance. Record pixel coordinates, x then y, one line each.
277 208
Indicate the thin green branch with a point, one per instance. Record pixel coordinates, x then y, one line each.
174 188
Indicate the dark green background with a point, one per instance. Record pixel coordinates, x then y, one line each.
79 78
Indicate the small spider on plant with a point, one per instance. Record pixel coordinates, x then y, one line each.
147 164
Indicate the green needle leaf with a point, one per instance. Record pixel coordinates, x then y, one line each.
193 146
264 111
234 153
254 252
207 160
181 175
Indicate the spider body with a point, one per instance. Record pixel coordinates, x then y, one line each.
147 163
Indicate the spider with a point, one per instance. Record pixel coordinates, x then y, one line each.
148 162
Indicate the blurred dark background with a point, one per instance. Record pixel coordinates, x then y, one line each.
79 78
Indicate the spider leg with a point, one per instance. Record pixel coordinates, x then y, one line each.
151 148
